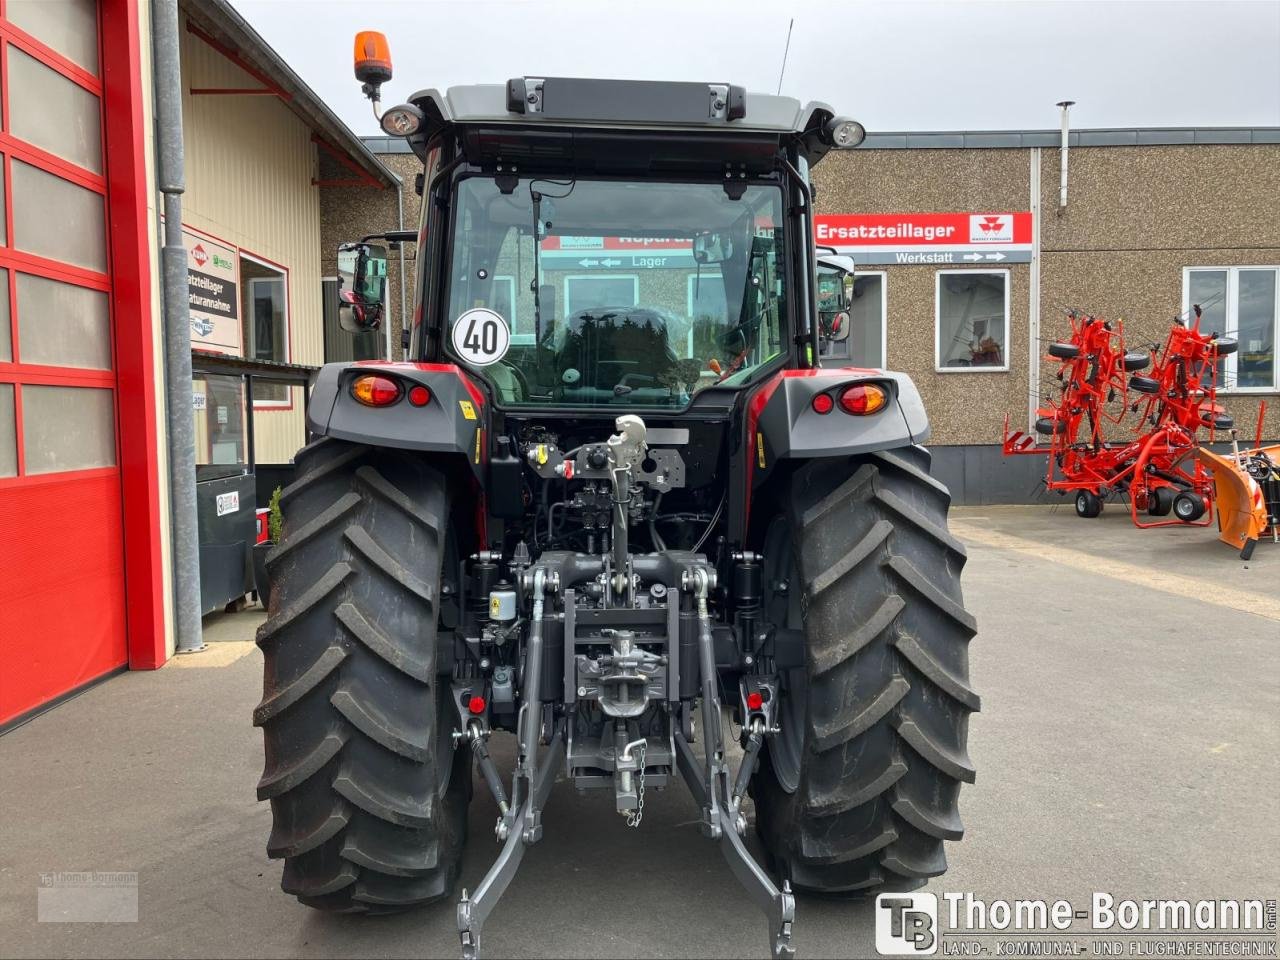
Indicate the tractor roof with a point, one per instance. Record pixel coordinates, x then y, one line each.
527 108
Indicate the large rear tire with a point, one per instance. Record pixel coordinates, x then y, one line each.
368 797
859 790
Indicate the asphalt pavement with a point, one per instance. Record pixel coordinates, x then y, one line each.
1127 743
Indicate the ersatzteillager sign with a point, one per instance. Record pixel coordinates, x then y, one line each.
959 238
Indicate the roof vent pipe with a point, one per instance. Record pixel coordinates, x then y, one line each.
1066 106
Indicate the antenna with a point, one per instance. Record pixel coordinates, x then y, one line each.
783 72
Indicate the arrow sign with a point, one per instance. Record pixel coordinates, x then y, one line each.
610 263
972 256
588 263
995 256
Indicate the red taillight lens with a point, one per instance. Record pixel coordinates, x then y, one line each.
862 399
755 700
822 403
476 705
375 391
419 396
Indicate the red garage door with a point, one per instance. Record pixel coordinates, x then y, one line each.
62 577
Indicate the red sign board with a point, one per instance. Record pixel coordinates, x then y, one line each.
923 229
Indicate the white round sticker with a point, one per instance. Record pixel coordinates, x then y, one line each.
481 337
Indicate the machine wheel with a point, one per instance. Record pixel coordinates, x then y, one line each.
1049 425
1226 345
368 797
1160 501
1188 507
1219 421
859 789
1144 384
1136 361
1064 351
1088 504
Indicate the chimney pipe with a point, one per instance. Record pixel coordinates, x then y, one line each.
1066 106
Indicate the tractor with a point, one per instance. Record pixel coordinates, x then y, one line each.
610 499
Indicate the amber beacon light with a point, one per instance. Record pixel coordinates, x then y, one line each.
372 58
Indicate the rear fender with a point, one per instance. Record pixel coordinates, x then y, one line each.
785 425
453 421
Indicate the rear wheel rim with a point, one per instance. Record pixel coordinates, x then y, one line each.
782 609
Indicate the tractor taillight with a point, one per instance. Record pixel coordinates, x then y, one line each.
755 700
375 391
822 403
862 399
476 705
419 396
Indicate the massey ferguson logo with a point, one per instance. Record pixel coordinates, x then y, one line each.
990 228
199 256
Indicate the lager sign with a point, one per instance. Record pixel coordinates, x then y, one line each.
212 295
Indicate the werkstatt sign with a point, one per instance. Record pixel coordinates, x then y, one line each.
942 238
212 295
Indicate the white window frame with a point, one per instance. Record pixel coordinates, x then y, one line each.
1230 308
633 277
937 322
287 403
884 313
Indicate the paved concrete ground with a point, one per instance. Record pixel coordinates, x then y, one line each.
1127 743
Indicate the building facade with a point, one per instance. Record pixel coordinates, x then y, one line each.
1154 221
86 578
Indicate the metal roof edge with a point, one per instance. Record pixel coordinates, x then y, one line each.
225 23
1097 137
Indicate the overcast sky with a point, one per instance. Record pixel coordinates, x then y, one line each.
892 65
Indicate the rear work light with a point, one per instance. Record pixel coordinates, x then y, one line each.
863 399
375 391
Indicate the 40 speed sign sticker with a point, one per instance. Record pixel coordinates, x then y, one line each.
481 337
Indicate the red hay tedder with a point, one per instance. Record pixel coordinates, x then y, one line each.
1099 383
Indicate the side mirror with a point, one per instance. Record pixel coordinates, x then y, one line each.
712 248
362 284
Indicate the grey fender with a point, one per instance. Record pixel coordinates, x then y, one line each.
452 421
789 428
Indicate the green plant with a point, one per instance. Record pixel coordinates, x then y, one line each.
274 517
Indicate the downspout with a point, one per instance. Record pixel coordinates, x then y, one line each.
1033 307
404 317
167 73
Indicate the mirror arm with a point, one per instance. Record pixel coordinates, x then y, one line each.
392 236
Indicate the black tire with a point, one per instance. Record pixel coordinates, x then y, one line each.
368 798
1219 421
1144 384
1049 425
1136 361
1064 351
1088 504
1188 507
1226 346
859 790
1160 501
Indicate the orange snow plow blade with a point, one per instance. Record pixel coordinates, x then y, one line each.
1242 509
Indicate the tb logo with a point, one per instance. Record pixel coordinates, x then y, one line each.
906 924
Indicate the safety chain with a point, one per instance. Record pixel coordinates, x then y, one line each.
635 816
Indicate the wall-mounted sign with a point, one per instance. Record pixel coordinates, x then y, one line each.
960 239
212 295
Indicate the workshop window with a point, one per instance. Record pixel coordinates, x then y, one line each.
1244 303
265 308
971 321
